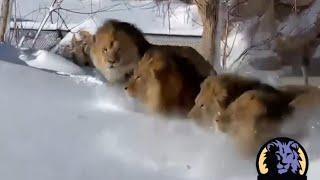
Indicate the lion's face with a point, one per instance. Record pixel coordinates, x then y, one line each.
285 155
145 82
157 83
80 49
112 50
242 113
210 102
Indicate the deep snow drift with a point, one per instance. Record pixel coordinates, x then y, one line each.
77 127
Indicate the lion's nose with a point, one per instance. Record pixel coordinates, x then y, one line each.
217 119
111 61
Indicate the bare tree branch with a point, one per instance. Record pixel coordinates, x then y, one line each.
5 13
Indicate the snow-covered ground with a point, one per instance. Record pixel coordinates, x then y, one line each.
182 19
77 127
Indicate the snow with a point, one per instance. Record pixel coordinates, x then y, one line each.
45 60
78 127
39 59
182 19
58 130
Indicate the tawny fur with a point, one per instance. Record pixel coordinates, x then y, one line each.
217 92
296 90
255 117
165 82
79 49
202 66
305 107
308 99
118 46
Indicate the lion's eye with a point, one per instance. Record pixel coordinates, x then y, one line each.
105 50
202 106
138 77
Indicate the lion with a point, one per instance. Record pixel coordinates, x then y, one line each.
255 117
119 46
308 99
217 92
79 49
165 82
305 107
282 158
296 90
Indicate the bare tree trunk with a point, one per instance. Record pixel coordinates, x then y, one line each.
208 10
5 11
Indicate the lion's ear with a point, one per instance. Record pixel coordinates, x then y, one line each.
85 34
155 74
156 64
87 37
270 147
295 146
273 145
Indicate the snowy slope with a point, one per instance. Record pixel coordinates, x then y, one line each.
55 127
78 128
145 14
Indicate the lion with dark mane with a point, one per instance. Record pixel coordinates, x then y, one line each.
118 46
217 92
255 117
165 82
